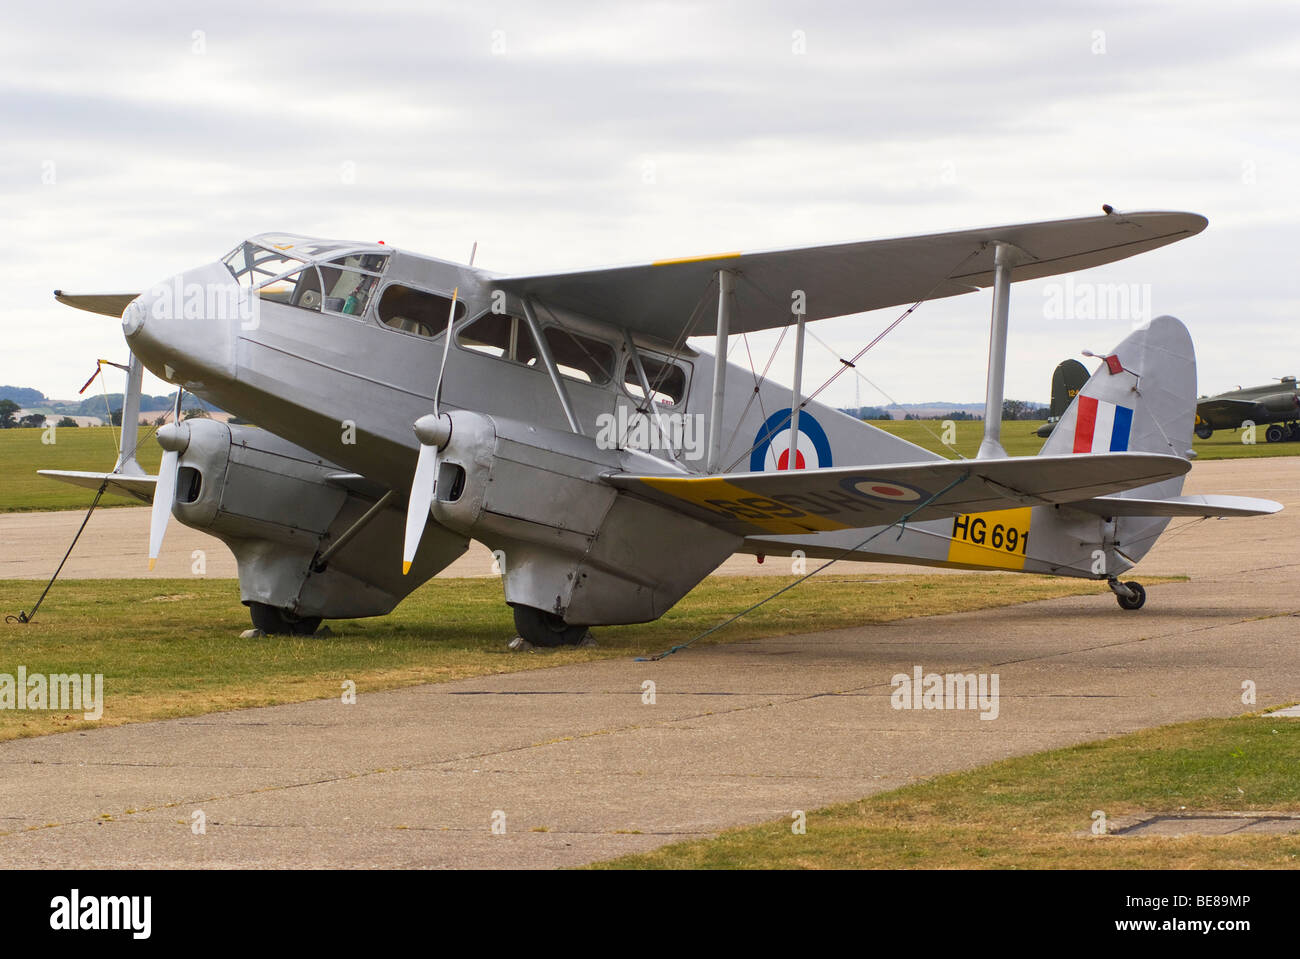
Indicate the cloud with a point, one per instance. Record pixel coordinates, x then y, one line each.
578 134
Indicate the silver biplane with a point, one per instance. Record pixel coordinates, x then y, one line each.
406 405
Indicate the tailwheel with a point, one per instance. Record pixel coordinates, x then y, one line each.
546 629
1129 595
274 621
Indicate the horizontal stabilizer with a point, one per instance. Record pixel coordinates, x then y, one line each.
1200 506
852 497
141 487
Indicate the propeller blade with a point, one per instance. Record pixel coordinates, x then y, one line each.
417 512
429 429
173 438
446 348
163 494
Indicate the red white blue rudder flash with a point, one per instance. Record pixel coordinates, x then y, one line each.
772 444
1102 427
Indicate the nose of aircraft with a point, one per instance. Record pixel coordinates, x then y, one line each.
184 328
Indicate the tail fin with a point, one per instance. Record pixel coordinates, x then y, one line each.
1141 399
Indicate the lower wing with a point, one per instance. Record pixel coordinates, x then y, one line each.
852 497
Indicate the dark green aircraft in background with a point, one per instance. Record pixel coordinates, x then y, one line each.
1277 404
1067 380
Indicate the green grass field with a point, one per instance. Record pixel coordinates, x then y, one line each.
172 648
90 448
1019 440
1037 811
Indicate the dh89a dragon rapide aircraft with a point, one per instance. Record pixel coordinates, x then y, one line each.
406 405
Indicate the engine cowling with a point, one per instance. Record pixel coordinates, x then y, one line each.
277 506
573 544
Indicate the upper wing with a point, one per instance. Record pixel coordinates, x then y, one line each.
141 487
107 304
851 497
658 298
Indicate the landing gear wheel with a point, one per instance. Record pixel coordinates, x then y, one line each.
1274 433
546 629
1204 431
277 622
1134 601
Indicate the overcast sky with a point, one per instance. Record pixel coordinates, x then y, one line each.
141 139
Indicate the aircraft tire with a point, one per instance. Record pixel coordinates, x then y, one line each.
276 622
546 629
1274 433
1137 601
1204 432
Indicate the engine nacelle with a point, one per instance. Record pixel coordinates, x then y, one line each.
277 506
573 545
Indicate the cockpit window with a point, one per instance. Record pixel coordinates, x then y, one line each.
347 291
301 289
370 262
343 284
416 311
252 264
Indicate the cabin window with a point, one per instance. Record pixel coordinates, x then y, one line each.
492 334
580 357
506 337
416 311
667 380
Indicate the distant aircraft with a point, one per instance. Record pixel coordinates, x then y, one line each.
1067 380
407 405
1277 405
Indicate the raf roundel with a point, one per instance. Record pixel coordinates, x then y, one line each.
882 489
772 444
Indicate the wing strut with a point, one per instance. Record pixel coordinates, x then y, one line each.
726 287
126 461
1005 257
796 401
544 351
644 380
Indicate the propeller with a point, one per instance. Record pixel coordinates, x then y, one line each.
174 438
433 431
